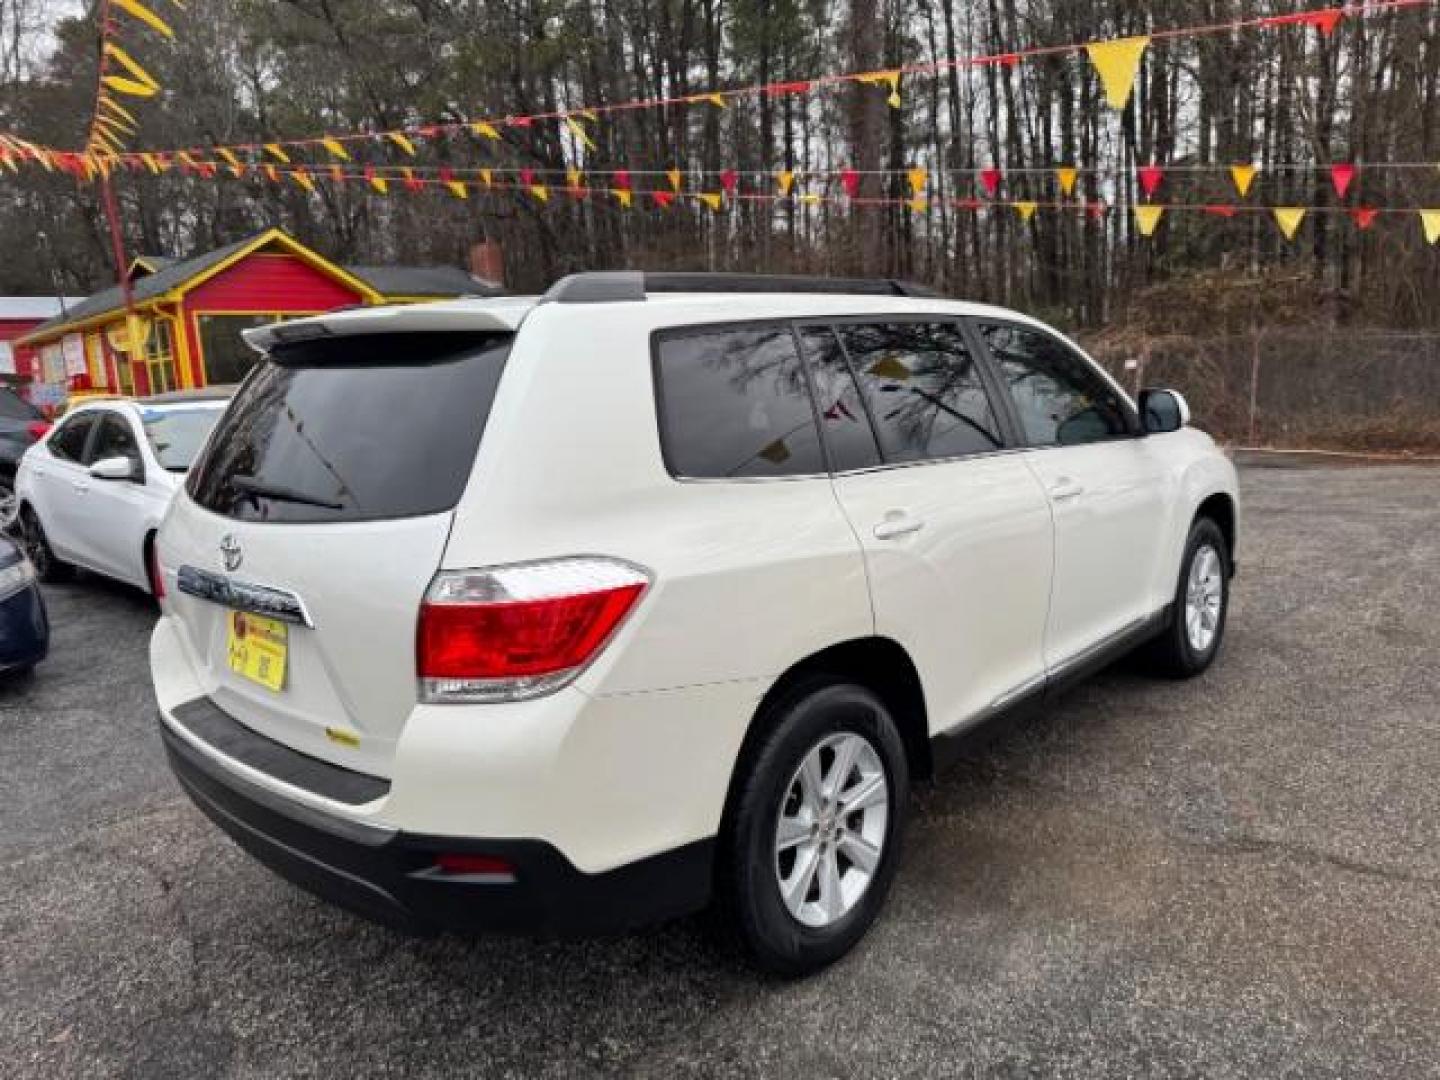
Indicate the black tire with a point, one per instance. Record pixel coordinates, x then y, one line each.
48 568
1173 653
793 727
8 523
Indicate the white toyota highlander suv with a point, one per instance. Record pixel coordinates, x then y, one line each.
571 613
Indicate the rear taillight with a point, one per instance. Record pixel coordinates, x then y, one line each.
515 632
38 428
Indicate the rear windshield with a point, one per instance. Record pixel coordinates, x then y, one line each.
176 435
353 429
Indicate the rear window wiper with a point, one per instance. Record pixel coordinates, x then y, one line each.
251 486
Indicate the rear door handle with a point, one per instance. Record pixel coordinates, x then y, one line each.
897 524
1066 489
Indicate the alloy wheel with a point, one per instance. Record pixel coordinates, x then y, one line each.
32 538
9 508
1204 596
830 836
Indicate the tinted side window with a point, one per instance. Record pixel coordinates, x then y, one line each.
843 415
68 443
114 439
923 388
736 403
1061 400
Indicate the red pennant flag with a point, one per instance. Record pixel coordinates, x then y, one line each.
781 89
369 173
207 169
1150 178
1342 176
850 181
1221 210
1324 21
521 121
622 179
990 179
663 198
729 181
1363 216
1008 59
527 177
446 175
1095 210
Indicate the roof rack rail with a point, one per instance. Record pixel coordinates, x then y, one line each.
603 286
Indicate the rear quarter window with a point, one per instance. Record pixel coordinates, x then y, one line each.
734 402
353 428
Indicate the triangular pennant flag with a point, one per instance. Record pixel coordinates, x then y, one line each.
336 148
578 130
718 100
888 78
1026 210
228 156
990 181
917 178
272 174
151 163
527 177
379 183
1243 176
458 189
622 179
676 178
137 10
624 196
1430 223
108 103
729 181
850 181
1067 175
1117 63
402 141
302 177
337 174
1220 210
919 204
1096 210
1147 219
276 151
541 192
1289 219
139 84
662 199
480 127
1150 179
1363 216
1342 176
486 178
412 182
785 179
1324 21
574 181
712 199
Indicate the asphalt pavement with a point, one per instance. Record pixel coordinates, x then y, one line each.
1237 876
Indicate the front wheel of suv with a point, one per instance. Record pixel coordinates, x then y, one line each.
815 835
1202 600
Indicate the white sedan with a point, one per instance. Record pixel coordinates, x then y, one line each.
93 491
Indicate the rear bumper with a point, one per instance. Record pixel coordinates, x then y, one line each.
388 875
24 629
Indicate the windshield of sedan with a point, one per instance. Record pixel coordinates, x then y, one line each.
176 435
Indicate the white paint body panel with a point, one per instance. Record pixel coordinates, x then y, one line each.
750 577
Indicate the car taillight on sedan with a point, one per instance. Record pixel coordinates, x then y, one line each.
515 632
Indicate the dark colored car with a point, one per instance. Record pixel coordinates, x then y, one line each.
24 626
21 424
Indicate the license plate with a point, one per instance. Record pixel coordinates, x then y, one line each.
258 648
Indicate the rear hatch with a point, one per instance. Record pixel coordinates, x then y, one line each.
325 495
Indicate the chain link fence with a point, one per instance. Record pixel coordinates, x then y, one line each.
1357 391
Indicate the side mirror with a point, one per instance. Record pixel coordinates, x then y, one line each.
116 468
1163 410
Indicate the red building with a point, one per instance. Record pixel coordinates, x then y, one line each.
19 315
188 313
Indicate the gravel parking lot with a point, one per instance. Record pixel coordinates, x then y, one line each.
1237 876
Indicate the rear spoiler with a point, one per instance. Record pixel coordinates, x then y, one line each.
503 314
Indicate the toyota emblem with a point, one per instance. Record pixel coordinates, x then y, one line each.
230 552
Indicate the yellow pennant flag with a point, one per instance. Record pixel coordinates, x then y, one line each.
718 100
624 196
301 177
574 179
480 127
1117 63
1244 176
271 174
917 178
457 189
712 199
380 184
151 163
105 101
138 84
540 191
676 178
1430 222
139 11
578 130
918 203
1026 210
1067 175
1289 219
336 148
277 151
186 159
889 78
403 142
785 178
1147 218
228 157
486 178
